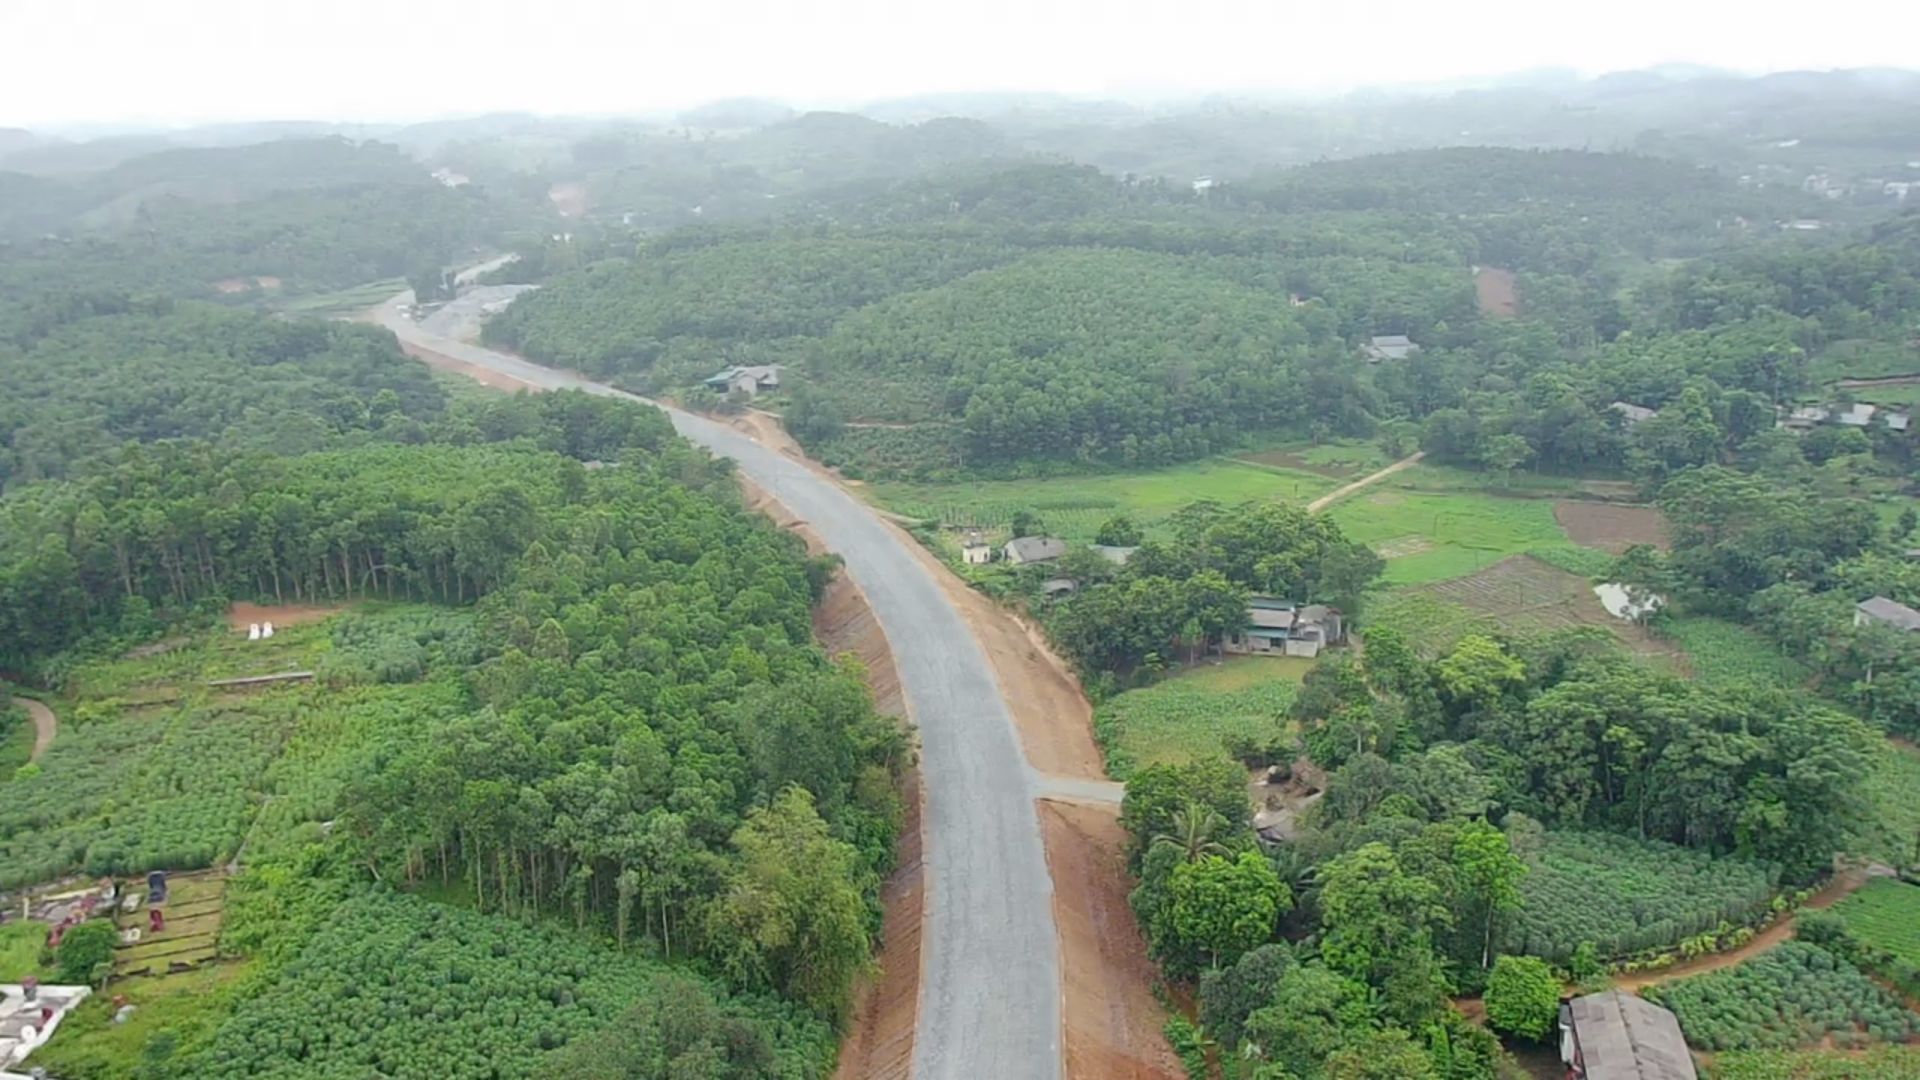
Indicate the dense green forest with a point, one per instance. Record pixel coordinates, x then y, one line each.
616 726
1100 321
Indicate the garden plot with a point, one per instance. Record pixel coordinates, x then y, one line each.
1791 996
194 910
1523 595
1611 527
1886 915
1625 895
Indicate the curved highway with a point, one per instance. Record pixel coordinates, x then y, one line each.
990 975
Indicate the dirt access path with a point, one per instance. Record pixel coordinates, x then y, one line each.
1842 886
45 726
1368 480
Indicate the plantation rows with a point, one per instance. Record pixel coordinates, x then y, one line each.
1793 995
1626 895
123 795
1886 915
1880 1063
395 986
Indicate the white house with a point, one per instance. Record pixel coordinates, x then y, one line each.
975 551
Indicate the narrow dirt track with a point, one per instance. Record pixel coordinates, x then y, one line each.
1339 493
45 726
1781 930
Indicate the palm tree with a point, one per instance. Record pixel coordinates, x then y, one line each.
1193 832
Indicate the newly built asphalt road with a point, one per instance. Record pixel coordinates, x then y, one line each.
990 975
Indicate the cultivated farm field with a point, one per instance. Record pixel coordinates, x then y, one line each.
1074 507
1877 1063
1626 895
1202 712
1885 914
1520 594
1793 995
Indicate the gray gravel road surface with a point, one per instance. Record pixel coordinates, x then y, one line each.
990 976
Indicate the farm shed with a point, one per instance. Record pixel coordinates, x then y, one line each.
1033 549
1617 1036
1886 612
1388 347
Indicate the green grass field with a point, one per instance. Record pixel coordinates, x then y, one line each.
1199 713
1437 535
1885 913
1074 507
20 946
1722 653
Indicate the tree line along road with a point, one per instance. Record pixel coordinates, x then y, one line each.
990 977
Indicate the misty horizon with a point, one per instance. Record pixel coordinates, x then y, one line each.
360 64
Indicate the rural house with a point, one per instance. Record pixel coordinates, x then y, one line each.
976 551
1858 415
1886 612
1388 347
1617 1036
745 380
1034 549
1283 628
1631 414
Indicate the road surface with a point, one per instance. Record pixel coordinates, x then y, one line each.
44 726
990 969
1337 494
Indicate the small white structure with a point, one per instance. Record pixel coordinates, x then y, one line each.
1631 414
30 1015
976 551
1622 602
266 630
253 631
1388 347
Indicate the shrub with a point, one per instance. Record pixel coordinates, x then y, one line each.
1794 995
1523 996
83 949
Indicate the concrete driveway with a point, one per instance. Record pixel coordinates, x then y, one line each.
990 980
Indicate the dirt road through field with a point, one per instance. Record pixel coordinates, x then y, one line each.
45 726
1368 480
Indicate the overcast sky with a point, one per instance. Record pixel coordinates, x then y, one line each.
175 61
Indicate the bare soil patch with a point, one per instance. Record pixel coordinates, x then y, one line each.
1525 595
229 286
1112 1022
1494 289
1289 459
1611 526
1402 546
570 198
45 726
886 1009
242 615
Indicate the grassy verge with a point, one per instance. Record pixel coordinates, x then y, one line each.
170 1012
1203 712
